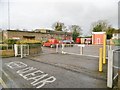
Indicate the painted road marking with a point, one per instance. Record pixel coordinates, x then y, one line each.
16 64
3 83
38 77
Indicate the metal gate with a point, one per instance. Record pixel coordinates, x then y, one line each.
79 49
21 50
113 66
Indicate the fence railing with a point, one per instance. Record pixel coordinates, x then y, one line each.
24 50
78 49
6 47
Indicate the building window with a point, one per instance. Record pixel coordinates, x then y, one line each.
29 37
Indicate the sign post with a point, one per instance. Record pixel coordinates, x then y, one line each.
56 48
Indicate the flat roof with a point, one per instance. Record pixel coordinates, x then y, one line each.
52 32
21 31
98 32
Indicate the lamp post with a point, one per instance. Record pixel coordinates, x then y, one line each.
9 14
2 36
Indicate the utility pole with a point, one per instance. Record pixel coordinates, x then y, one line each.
8 14
2 36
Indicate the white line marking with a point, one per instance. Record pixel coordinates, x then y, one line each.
116 67
29 73
115 76
3 83
81 55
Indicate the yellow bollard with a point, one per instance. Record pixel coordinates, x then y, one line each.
104 49
100 60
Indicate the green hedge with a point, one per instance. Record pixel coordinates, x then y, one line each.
28 42
116 42
3 47
10 41
34 45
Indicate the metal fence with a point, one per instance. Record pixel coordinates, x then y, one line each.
113 66
27 49
116 63
6 47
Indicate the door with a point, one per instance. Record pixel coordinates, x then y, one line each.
98 41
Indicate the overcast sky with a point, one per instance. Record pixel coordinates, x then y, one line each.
34 14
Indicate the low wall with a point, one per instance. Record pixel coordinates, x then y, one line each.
10 52
7 53
35 50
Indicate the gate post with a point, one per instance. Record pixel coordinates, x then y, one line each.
62 48
81 50
28 50
56 48
21 51
16 49
110 69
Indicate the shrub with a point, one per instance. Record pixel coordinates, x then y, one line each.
116 42
10 41
28 42
6 53
5 46
35 45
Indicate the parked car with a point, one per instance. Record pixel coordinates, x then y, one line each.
78 40
67 41
88 41
51 43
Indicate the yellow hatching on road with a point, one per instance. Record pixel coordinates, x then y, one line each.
3 83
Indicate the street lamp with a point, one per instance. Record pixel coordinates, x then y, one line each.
8 14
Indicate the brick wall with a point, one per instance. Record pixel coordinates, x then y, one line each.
15 34
35 50
7 53
38 36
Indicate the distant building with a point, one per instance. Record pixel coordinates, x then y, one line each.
17 34
54 34
38 34
116 34
97 37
